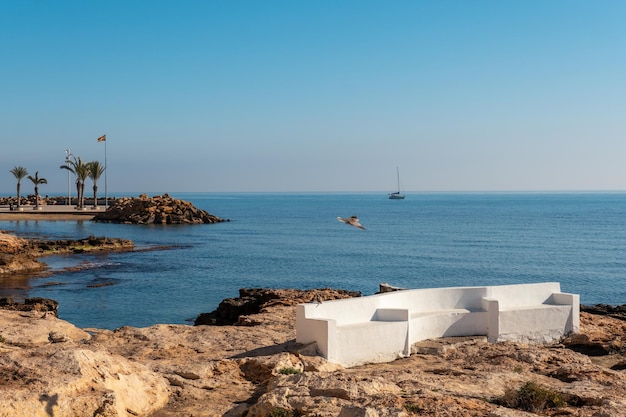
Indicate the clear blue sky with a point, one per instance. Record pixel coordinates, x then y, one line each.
316 95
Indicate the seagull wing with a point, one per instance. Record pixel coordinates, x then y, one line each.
357 224
352 221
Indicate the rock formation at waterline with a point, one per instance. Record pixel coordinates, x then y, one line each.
255 369
21 255
252 300
155 210
14 257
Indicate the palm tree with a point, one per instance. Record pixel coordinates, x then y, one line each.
19 173
96 169
36 180
82 173
81 170
70 165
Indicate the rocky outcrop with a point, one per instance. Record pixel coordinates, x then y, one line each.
38 304
14 256
606 310
10 264
258 370
41 247
156 210
11 244
20 255
50 369
255 300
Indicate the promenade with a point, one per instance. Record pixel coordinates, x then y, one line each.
49 212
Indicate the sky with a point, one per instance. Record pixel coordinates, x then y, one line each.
316 96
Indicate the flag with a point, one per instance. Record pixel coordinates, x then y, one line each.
102 138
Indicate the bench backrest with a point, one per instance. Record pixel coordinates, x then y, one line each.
519 295
363 309
432 299
345 311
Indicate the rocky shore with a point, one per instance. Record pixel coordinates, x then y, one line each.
19 255
253 367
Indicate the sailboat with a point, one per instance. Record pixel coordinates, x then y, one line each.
396 195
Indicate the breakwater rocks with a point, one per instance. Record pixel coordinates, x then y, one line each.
256 369
155 210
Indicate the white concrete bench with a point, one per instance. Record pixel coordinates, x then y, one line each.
382 327
541 313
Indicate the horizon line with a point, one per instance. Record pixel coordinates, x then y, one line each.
153 193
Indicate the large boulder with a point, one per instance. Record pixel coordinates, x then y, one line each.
50 369
155 210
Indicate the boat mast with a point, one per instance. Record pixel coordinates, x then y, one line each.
398 175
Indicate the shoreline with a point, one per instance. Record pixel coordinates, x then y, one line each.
21 255
256 367
48 212
45 216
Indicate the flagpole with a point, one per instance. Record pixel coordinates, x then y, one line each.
103 138
106 199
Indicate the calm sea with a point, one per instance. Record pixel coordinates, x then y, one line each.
295 241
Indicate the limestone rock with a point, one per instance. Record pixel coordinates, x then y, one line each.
171 370
49 368
10 244
13 257
71 381
19 255
33 328
156 210
19 263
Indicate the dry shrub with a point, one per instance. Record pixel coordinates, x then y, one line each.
533 397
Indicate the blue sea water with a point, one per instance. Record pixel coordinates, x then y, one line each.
294 240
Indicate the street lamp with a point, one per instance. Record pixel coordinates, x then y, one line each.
68 154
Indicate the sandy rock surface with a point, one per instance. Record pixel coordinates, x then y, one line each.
255 368
11 244
48 367
13 257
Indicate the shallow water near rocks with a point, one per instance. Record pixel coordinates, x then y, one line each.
295 241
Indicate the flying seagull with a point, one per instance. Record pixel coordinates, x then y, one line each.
352 221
